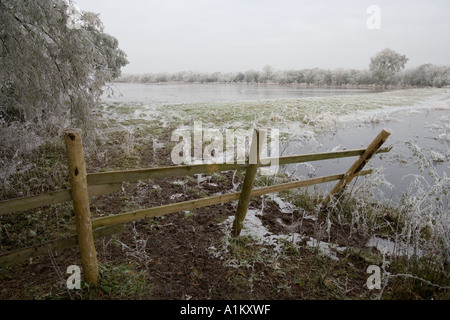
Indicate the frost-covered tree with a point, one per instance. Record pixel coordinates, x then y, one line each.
251 76
54 62
267 74
385 65
432 75
239 77
426 75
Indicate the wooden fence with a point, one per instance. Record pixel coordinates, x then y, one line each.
83 186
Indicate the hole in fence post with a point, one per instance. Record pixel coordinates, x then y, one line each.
80 199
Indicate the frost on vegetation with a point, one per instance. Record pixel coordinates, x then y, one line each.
422 215
175 196
369 189
301 137
438 157
125 112
424 210
16 141
137 248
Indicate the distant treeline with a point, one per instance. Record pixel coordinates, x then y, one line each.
426 75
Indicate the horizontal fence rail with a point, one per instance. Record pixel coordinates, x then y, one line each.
177 171
205 202
108 182
47 199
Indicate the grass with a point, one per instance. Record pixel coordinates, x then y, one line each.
316 112
118 282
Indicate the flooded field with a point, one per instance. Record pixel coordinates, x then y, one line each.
309 120
414 173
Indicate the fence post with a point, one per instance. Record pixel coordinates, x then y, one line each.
359 164
80 198
247 186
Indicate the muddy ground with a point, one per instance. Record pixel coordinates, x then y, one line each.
171 255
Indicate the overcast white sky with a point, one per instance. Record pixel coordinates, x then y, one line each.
237 35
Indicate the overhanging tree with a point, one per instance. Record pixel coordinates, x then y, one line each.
53 65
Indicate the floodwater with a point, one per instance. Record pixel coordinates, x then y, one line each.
197 93
428 129
423 125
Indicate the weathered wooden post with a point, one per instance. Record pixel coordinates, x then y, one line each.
80 198
250 174
359 164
